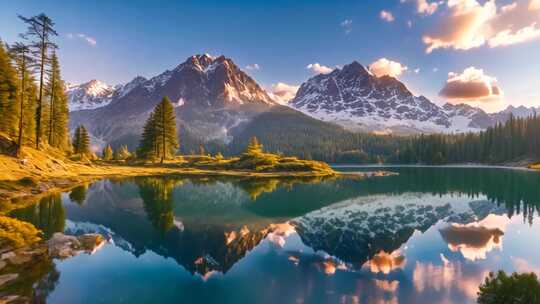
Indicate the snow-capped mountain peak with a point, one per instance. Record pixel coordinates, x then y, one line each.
358 100
90 95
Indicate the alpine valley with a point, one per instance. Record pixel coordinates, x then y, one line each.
218 105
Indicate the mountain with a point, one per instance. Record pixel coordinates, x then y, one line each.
211 95
520 111
356 230
90 95
468 118
360 101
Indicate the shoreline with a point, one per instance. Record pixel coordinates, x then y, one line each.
460 165
13 193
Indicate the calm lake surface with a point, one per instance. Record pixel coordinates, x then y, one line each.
428 235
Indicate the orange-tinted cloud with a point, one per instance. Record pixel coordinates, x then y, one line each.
470 24
386 263
471 85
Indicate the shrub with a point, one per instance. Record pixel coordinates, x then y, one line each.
503 289
15 233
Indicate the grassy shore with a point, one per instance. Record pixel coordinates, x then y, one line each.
36 173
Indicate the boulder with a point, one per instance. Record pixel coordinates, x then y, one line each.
63 246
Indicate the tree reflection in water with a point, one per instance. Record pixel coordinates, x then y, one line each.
48 215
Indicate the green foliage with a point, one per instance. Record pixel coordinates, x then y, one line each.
40 30
48 215
56 129
158 201
15 233
517 138
26 92
81 141
285 131
107 153
159 139
78 194
8 94
255 159
122 153
514 289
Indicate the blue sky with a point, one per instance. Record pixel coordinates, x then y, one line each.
283 37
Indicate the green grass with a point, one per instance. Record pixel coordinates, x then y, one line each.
256 162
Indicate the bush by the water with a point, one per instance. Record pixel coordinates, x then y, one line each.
15 233
517 288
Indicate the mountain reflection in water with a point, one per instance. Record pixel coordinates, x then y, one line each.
427 235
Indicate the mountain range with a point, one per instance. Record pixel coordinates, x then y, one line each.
216 102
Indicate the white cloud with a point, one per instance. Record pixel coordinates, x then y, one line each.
534 5
282 92
507 37
472 86
384 66
253 67
319 68
346 25
425 7
470 24
409 24
435 70
417 71
88 39
386 16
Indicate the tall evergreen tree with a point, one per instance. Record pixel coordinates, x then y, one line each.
57 127
8 94
147 146
107 153
159 138
81 141
40 31
20 54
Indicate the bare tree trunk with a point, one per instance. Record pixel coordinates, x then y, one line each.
38 115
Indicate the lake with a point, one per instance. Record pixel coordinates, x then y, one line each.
427 235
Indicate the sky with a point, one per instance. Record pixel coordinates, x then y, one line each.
483 53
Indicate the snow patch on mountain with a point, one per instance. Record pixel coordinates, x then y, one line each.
90 95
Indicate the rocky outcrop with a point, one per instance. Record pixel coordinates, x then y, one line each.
22 268
64 246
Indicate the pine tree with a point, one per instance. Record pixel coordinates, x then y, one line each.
20 54
58 113
8 94
107 153
159 138
81 141
254 147
147 147
122 153
85 141
40 31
